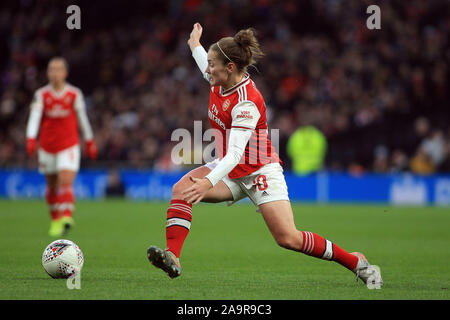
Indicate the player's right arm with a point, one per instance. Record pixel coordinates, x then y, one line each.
198 52
34 122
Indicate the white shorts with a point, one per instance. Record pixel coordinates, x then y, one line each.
67 159
267 184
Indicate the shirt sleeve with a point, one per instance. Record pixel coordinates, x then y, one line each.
201 58
245 115
34 121
237 142
80 108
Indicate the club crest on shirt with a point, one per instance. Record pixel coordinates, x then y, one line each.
68 100
225 105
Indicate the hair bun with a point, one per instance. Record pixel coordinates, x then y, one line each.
245 38
242 49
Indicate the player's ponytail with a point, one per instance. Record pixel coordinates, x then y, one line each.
243 49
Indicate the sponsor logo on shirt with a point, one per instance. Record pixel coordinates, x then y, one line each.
57 112
245 114
213 116
214 109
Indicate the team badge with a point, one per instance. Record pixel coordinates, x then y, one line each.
225 105
68 100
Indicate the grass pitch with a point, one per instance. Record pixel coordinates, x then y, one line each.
229 253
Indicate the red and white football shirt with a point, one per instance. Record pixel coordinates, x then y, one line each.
56 114
242 107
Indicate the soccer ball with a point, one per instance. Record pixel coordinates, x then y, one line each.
62 259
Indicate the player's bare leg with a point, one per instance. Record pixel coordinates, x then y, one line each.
179 216
51 197
66 198
279 218
280 221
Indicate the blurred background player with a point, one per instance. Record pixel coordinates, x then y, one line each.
56 110
248 165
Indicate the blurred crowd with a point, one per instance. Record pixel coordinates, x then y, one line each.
380 97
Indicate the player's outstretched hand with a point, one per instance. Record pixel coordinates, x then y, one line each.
90 149
194 38
195 193
31 146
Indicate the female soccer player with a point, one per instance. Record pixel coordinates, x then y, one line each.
56 110
248 165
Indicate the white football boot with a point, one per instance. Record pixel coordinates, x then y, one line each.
369 274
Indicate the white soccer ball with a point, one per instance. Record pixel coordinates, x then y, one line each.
62 259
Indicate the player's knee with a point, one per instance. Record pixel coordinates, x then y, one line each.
178 188
51 189
65 181
65 185
288 241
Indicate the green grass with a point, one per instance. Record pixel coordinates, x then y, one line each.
229 253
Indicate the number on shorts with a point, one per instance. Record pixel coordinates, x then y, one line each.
261 182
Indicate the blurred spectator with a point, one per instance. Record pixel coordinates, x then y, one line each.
307 148
381 159
399 162
360 87
421 163
356 169
420 132
435 148
114 187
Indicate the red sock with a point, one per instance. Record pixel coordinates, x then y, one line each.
179 217
66 199
316 246
51 198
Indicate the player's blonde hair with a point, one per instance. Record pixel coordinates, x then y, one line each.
243 49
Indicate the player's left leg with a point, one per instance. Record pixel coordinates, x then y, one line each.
47 166
280 221
68 163
51 197
66 197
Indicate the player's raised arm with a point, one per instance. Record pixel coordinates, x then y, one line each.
194 37
198 52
